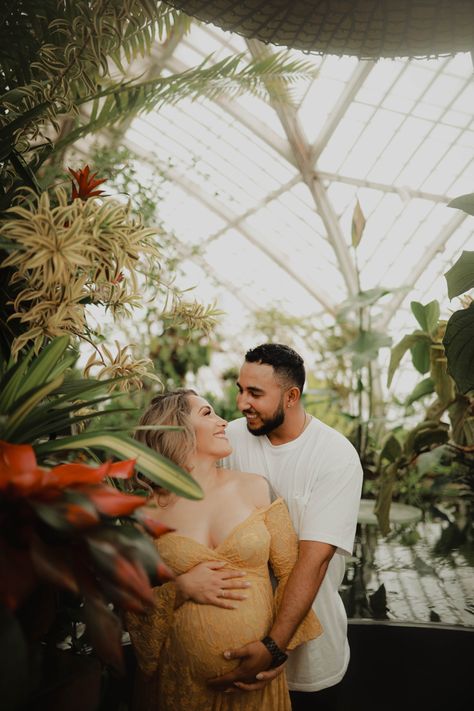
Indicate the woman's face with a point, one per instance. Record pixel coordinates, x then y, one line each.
209 429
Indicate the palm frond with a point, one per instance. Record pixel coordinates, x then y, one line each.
226 78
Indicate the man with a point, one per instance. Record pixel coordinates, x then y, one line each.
318 473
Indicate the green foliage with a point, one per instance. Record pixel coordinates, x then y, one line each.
74 61
323 399
428 353
365 347
460 328
228 77
458 342
464 203
427 316
178 351
460 277
226 405
398 351
422 389
40 404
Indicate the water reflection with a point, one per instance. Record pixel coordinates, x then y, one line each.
420 572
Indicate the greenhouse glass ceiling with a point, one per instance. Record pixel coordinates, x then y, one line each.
267 193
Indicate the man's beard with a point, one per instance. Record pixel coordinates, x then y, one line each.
270 424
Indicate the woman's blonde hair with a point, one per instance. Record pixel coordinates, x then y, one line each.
170 408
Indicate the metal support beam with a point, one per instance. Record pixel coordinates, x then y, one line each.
361 72
305 161
223 211
437 245
402 191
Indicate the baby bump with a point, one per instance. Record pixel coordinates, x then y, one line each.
201 633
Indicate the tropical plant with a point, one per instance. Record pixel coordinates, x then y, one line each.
75 63
70 535
459 337
433 447
64 254
41 404
355 342
58 529
66 70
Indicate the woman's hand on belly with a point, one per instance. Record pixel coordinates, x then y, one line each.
212 583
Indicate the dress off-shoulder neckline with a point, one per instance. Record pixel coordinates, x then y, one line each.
260 510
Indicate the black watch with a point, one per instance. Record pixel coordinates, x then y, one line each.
278 657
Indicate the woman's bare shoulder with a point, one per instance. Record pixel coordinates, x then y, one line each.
255 486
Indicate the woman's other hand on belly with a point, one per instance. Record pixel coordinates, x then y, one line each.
212 583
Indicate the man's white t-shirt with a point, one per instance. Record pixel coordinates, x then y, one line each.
319 475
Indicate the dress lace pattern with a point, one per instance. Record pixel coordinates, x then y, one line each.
178 650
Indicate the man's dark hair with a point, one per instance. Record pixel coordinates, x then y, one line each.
287 364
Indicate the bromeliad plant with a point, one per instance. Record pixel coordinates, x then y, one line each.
58 531
45 404
66 527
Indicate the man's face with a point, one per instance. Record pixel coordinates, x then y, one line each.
260 398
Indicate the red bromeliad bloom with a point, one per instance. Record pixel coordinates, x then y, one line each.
21 477
85 184
55 525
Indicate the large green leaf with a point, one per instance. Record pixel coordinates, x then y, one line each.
153 465
460 277
464 203
52 422
363 299
423 388
365 347
47 365
458 343
420 355
427 315
401 348
391 448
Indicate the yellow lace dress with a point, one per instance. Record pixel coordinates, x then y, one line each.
178 650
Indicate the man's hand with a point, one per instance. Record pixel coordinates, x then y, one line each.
211 583
256 659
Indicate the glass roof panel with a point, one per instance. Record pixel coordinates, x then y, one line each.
395 135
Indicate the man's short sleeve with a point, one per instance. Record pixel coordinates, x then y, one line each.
330 514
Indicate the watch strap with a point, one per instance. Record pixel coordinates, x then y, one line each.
278 656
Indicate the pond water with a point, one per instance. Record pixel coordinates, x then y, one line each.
420 572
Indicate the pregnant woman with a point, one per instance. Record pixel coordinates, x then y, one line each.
237 525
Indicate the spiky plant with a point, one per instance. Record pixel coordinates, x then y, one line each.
73 60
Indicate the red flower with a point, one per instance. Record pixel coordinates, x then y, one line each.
21 477
55 531
85 184
120 277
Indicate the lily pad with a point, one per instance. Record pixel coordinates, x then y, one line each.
399 513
